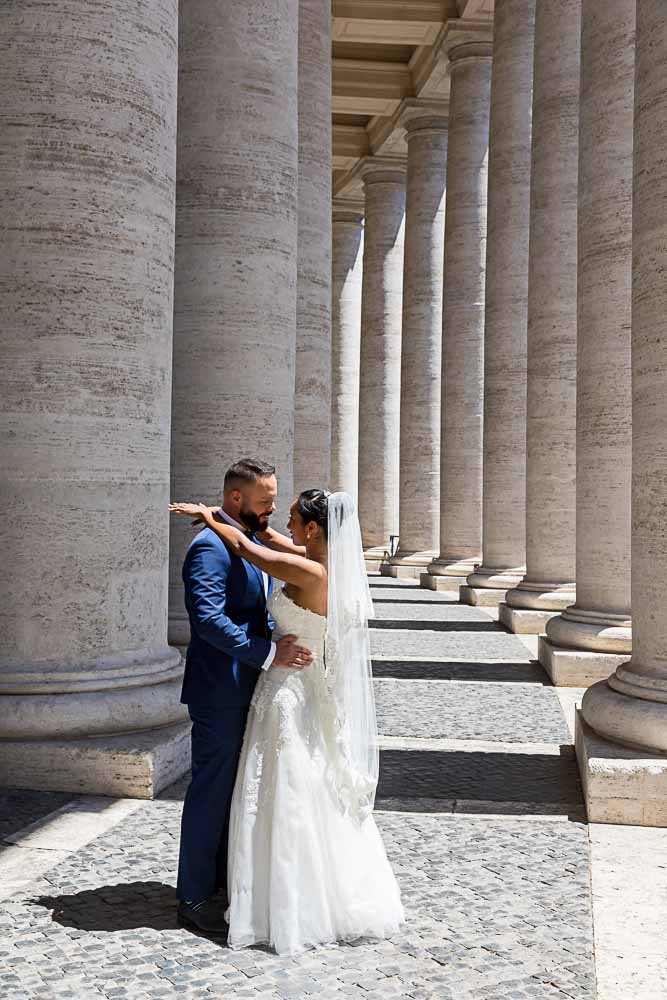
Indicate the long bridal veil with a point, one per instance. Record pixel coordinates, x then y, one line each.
349 674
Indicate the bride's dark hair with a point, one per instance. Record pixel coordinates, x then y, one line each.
312 505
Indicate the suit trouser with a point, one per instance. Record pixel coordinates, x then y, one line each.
217 737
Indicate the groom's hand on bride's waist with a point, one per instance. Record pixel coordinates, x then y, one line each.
289 654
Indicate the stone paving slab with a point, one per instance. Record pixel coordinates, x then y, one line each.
414 596
403 644
450 617
520 713
101 925
437 611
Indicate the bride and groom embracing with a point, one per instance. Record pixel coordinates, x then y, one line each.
278 840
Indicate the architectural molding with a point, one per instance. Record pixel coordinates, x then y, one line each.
376 22
366 87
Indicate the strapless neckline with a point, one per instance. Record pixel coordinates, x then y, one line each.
308 611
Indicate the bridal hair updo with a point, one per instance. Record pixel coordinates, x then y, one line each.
312 505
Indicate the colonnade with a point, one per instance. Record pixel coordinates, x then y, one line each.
166 273
551 449
181 294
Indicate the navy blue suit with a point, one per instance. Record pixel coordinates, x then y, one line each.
230 639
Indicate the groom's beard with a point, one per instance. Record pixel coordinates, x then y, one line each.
254 522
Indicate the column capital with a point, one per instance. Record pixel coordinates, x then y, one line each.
348 210
382 169
467 40
423 116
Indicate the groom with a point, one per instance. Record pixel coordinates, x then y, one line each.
230 643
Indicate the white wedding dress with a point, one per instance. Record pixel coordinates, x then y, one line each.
303 870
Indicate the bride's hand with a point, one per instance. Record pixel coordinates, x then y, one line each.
196 510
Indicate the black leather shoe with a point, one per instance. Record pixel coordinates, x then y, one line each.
206 918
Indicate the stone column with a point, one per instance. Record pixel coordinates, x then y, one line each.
590 638
506 306
548 586
419 476
631 707
347 269
460 546
236 245
312 399
380 369
86 274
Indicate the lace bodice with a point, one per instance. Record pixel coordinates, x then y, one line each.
303 702
282 687
290 618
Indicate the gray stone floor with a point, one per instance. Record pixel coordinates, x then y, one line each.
487 841
516 713
454 644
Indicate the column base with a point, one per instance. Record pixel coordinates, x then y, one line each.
482 597
540 595
400 572
131 692
524 621
621 785
636 722
450 583
407 565
130 766
487 586
570 667
592 630
446 573
373 558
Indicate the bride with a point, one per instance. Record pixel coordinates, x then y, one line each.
306 864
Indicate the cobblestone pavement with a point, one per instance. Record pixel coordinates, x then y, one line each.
407 610
508 713
455 644
486 840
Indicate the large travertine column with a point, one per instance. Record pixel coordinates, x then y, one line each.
347 269
591 637
631 708
548 586
236 244
419 478
506 306
86 273
463 313
312 398
380 371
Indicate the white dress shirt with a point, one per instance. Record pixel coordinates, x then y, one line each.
235 524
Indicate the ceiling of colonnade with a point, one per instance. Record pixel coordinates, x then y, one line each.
386 55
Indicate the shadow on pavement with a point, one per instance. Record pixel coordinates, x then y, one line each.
436 626
459 670
20 807
123 907
512 783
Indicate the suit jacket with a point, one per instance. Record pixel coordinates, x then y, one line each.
230 629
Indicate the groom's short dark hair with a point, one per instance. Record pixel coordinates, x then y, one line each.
248 470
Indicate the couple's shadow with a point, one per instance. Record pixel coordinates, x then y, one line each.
124 907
